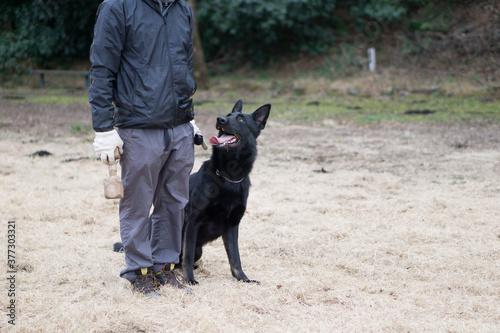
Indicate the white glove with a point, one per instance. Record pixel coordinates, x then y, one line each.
105 144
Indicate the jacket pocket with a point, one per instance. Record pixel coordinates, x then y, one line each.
187 109
152 92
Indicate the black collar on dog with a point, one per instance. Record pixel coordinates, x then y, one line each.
227 179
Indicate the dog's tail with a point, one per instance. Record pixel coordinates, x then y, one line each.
118 247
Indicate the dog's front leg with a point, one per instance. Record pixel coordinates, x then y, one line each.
188 251
230 238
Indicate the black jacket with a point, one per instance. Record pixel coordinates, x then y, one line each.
142 61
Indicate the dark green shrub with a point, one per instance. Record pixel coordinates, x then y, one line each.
261 30
383 10
45 31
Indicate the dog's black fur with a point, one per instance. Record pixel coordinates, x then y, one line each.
218 192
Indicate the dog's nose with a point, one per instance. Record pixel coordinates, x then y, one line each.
221 120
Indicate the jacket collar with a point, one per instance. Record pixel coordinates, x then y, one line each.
156 5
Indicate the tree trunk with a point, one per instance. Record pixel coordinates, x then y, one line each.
200 66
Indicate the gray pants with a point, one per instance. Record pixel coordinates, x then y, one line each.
155 165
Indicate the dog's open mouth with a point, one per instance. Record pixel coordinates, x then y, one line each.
225 140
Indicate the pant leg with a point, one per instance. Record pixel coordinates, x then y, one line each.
171 196
142 160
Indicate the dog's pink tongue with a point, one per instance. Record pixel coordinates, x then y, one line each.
224 138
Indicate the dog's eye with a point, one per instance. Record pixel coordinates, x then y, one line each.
241 119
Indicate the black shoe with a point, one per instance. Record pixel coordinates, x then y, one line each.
167 277
145 283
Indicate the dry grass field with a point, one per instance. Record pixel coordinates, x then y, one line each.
350 228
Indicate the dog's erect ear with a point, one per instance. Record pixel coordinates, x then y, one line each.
238 107
261 114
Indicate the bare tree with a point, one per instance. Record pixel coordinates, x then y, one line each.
200 66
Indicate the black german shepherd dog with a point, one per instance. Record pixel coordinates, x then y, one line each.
218 192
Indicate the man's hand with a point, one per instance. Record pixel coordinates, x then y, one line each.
198 137
105 144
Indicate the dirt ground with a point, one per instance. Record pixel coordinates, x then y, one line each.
349 229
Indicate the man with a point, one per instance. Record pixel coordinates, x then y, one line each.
142 62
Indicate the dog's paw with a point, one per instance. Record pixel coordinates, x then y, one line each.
191 282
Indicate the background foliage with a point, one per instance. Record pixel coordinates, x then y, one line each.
260 30
49 33
45 32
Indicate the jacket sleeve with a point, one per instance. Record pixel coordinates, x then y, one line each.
191 48
105 56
